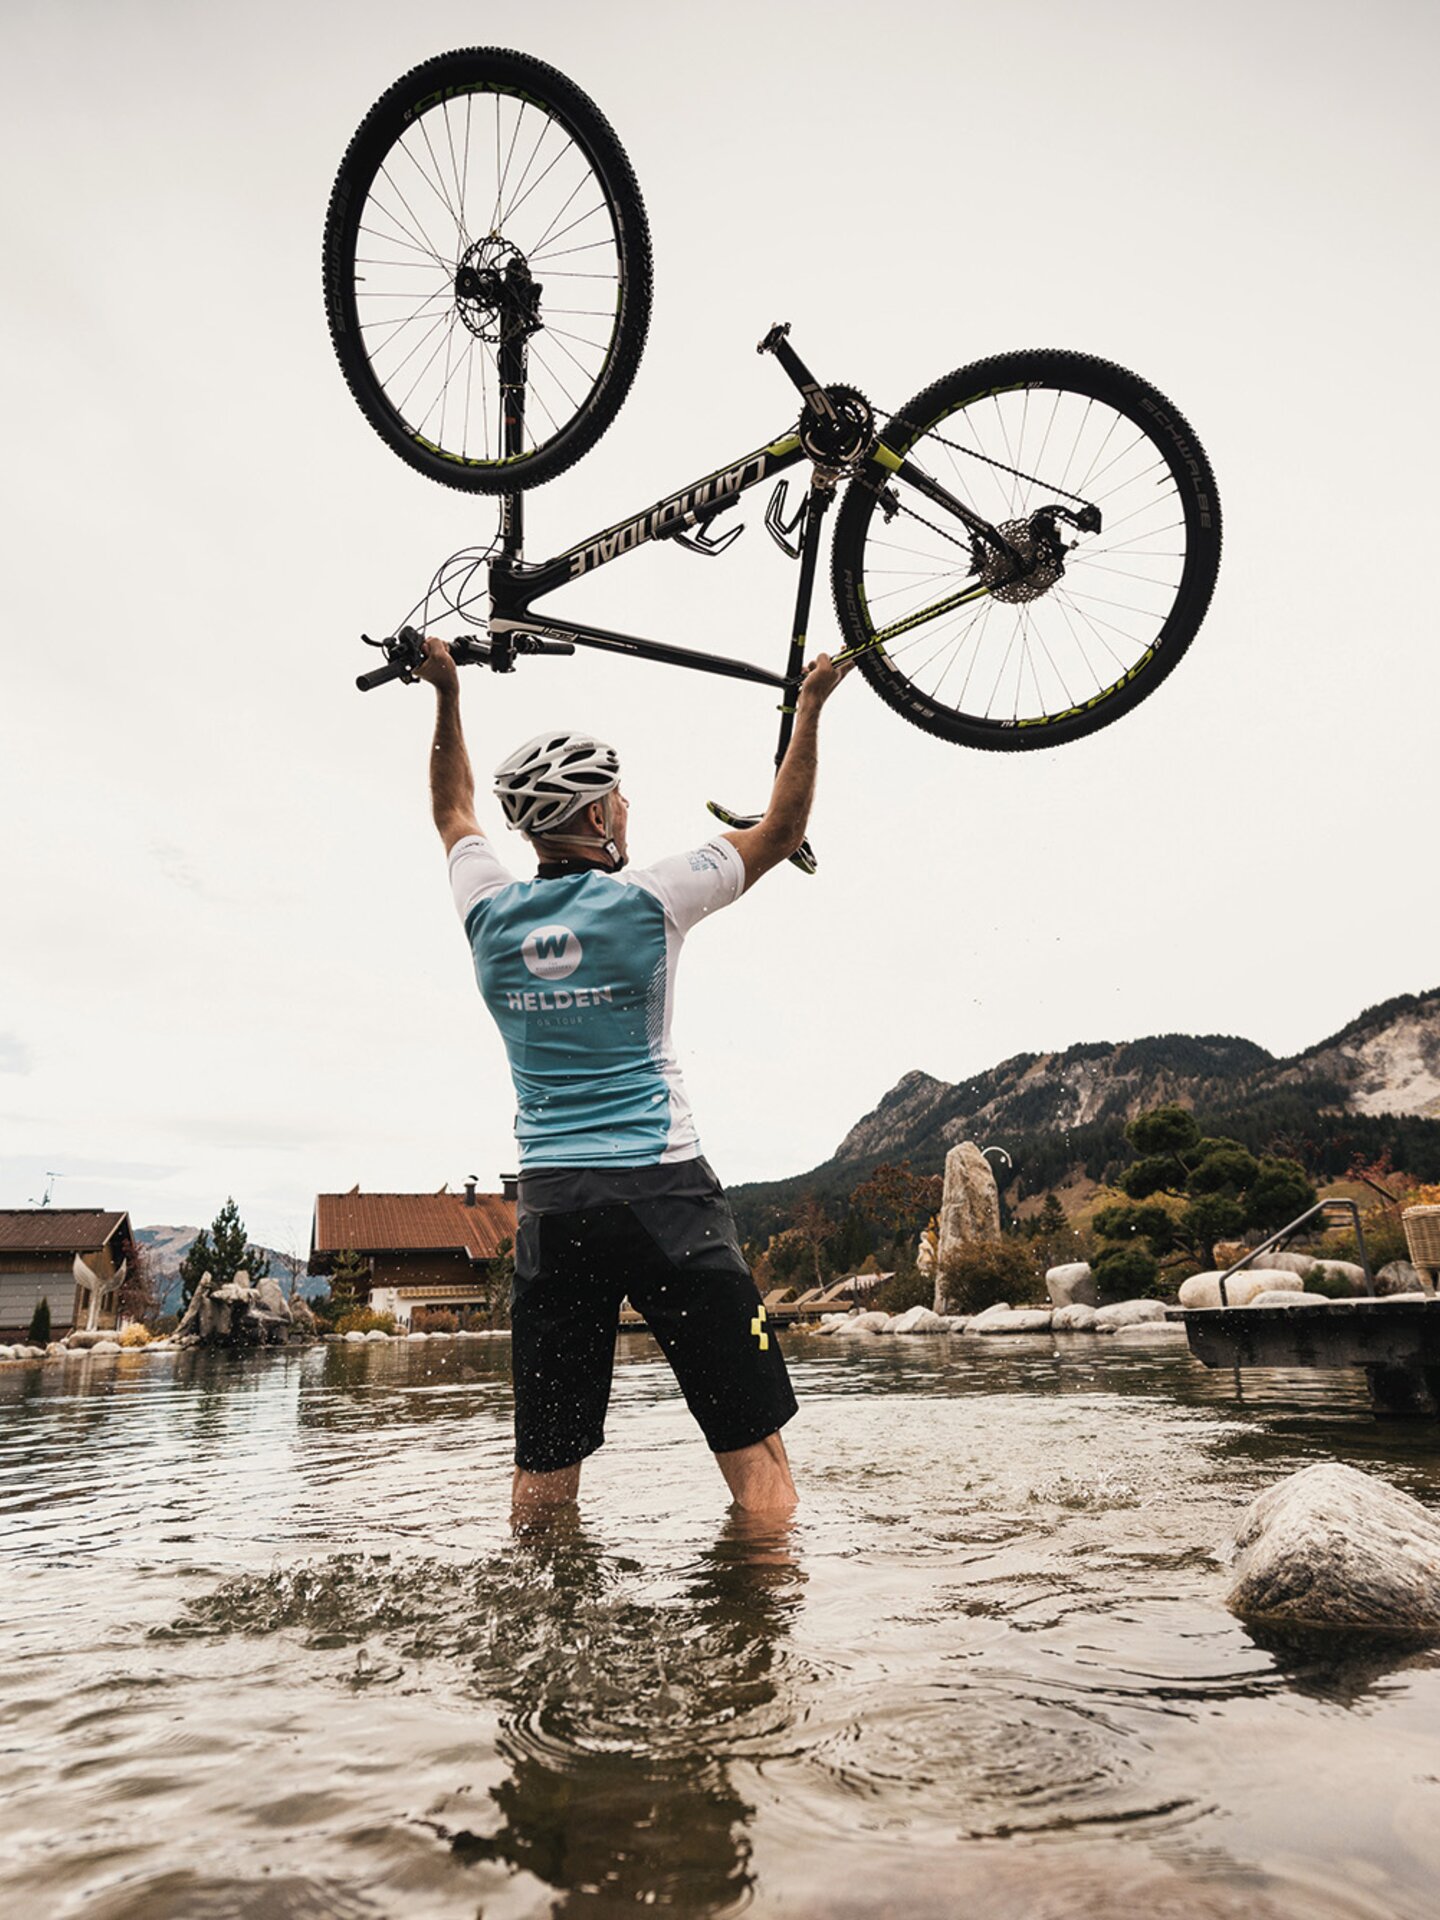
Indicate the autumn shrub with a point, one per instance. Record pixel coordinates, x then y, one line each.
135 1335
362 1320
434 1320
1384 1239
982 1273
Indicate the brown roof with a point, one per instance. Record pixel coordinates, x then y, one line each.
410 1222
58 1229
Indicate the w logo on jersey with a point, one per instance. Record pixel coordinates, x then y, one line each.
551 953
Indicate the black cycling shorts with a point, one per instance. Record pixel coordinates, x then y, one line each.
664 1236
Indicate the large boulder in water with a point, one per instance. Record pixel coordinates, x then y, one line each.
1128 1313
864 1323
1013 1320
1333 1547
918 1320
1076 1318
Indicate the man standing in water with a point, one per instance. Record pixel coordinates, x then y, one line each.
578 967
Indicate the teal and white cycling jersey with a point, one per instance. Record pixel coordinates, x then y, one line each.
579 973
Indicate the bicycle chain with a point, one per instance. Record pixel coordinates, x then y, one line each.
966 546
973 453
900 507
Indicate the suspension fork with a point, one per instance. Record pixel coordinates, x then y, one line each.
817 504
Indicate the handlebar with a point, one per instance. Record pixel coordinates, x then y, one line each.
394 671
405 650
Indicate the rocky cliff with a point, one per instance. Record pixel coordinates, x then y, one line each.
1386 1062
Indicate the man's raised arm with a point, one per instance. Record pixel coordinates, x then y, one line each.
452 784
780 829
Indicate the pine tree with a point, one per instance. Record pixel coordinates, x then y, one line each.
39 1334
349 1277
222 1251
1052 1216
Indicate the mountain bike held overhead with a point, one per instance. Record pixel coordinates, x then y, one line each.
1022 551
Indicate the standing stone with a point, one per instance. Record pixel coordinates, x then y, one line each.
1072 1285
969 1209
272 1298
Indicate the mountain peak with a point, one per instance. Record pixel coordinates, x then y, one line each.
1384 1062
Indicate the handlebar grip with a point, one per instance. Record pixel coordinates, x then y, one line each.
390 671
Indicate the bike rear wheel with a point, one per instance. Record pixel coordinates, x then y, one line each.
1057 629
480 180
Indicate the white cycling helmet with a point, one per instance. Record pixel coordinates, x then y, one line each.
551 777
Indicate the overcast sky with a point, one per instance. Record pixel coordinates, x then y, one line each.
231 964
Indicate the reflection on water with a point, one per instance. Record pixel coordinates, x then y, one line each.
272 1649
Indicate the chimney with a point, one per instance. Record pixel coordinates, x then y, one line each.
509 1186
470 1190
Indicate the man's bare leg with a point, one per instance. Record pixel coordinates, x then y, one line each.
530 1491
759 1477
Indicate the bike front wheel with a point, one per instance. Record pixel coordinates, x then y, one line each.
1029 552
486 197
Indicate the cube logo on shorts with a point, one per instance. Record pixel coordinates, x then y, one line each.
551 953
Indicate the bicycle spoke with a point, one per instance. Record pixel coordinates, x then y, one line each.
432 342
1089 619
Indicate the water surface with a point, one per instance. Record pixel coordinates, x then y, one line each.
270 1649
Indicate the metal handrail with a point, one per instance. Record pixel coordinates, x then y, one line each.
1351 1207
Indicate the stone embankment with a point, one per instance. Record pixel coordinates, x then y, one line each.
1074 1298
1295 1280
1143 1318
77 1346
377 1336
82 1343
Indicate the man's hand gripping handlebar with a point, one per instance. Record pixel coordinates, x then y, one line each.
405 651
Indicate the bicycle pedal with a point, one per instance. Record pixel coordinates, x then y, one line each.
740 820
803 856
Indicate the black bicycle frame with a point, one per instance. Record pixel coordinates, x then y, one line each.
515 584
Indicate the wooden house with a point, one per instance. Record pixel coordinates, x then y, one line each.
422 1249
38 1247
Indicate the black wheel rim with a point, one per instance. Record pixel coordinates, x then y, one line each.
482 189
998 649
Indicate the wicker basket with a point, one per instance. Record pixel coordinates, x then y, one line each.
1422 1234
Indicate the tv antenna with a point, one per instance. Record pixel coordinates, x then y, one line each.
50 1179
